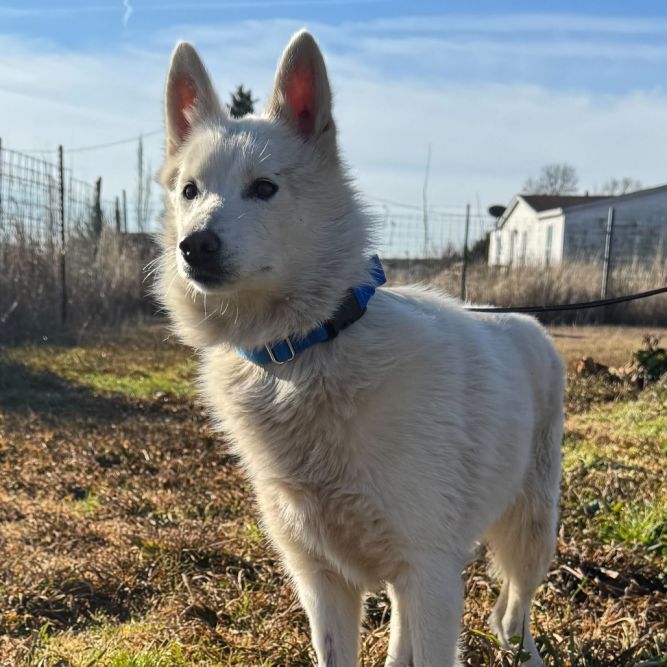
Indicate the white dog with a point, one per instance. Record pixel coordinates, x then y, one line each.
379 455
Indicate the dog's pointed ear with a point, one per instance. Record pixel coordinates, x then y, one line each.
301 95
189 95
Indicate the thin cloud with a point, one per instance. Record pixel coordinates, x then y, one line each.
249 4
514 23
395 93
128 12
51 10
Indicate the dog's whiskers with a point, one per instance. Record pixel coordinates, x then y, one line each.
224 312
171 284
153 266
207 317
152 263
150 274
265 147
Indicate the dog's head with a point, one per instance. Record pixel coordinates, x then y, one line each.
258 210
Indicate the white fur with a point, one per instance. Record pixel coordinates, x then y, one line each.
380 457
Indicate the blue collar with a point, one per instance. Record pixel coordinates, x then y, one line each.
350 310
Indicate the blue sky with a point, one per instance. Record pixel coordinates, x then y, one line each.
497 88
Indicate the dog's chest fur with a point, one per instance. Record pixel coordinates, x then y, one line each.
301 442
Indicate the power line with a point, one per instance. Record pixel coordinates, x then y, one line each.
438 211
397 203
94 147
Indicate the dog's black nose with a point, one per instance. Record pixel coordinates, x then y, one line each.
200 250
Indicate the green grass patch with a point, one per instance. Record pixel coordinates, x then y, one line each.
132 644
632 432
636 523
142 373
87 505
139 384
614 459
135 644
642 420
170 656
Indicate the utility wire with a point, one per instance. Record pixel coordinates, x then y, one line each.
95 147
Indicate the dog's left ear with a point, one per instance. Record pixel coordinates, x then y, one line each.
301 95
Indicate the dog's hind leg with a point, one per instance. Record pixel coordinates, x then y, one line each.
400 643
522 543
520 557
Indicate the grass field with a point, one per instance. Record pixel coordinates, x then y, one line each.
128 537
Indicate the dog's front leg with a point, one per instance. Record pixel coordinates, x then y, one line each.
334 611
433 593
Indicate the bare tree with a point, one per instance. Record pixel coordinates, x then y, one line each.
620 186
144 186
554 179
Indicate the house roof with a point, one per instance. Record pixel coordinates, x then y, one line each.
541 203
547 202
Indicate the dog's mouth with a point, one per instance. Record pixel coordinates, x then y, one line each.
206 280
222 280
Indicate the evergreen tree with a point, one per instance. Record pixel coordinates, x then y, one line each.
242 102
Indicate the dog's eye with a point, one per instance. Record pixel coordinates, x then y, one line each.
190 191
262 188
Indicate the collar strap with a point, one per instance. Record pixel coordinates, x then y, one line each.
350 310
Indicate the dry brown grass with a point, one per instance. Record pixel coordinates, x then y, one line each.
108 284
569 283
611 345
105 285
129 537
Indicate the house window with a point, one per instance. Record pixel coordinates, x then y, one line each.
547 248
499 238
524 247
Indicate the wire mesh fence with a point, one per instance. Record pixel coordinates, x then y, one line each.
30 200
63 254
66 256
417 236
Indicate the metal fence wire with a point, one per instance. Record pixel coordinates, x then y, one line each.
441 233
66 256
53 228
30 201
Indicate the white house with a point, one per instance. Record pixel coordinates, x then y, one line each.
543 230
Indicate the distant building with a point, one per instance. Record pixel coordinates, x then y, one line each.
543 230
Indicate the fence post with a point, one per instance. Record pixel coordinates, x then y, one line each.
117 216
425 200
609 238
124 211
0 181
63 265
97 210
464 269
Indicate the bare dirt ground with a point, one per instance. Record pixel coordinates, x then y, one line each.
128 537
